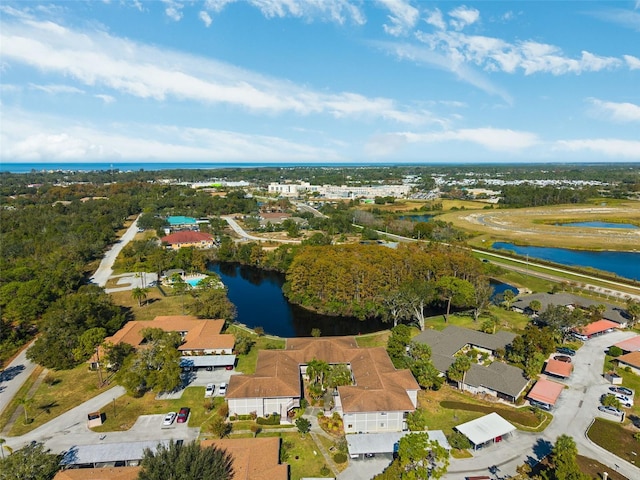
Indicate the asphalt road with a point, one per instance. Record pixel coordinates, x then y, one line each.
13 377
239 230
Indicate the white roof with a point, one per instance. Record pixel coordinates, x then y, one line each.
362 443
207 360
485 428
109 452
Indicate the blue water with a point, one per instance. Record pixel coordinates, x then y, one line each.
597 225
499 288
416 218
181 220
624 264
257 295
194 282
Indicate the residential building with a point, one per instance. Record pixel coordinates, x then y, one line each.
253 458
108 473
378 401
631 361
188 239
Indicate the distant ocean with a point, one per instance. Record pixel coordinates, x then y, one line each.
133 167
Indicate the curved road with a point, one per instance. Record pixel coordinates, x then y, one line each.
105 269
238 229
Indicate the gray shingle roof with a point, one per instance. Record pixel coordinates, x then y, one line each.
499 377
612 312
452 339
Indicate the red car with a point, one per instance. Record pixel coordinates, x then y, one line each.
183 415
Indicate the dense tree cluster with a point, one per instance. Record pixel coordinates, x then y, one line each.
533 196
32 462
355 280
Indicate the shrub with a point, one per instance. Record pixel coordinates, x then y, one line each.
223 410
615 351
304 403
270 420
459 441
324 471
255 429
339 457
253 415
50 380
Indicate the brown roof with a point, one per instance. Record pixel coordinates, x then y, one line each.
378 385
109 473
597 327
253 458
632 359
630 345
556 367
201 333
546 391
187 236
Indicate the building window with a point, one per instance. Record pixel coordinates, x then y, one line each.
350 426
382 425
384 414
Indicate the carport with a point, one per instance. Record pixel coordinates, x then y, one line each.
546 392
204 361
558 368
380 443
109 454
482 431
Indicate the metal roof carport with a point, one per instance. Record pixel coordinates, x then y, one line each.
109 454
486 429
362 443
201 361
546 391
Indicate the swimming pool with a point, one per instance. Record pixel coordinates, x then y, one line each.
194 281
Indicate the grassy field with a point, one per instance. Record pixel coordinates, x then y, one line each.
65 390
21 393
156 304
448 407
616 438
247 363
537 226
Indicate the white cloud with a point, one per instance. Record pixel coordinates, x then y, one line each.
29 138
611 147
99 59
173 10
462 17
618 112
493 139
620 16
403 16
56 89
435 19
632 62
205 17
105 98
339 11
494 54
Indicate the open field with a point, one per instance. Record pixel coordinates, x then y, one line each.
537 226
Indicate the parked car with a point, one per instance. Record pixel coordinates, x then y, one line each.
624 401
369 455
229 367
183 414
542 405
209 390
621 390
566 351
610 410
562 358
169 418
579 336
223 389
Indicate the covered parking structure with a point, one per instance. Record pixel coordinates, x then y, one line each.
545 393
360 444
483 431
195 362
124 454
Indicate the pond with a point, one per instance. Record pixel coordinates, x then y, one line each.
624 264
416 218
499 288
597 225
257 295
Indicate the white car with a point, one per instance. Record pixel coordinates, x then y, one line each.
169 418
211 388
223 389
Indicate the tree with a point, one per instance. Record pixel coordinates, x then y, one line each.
611 401
316 371
420 457
315 332
417 295
116 355
481 297
454 291
535 306
25 402
187 461
533 364
339 375
458 370
459 441
243 344
564 458
88 344
396 306
210 300
615 351
180 287
32 462
507 298
155 367
562 319
397 344
303 425
418 359
219 427
633 309
417 420
140 294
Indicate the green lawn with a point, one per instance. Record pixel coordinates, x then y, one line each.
67 389
247 363
614 437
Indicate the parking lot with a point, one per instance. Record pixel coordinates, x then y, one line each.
200 378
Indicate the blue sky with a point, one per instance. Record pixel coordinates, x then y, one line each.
320 81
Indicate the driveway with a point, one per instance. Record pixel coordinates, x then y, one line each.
574 413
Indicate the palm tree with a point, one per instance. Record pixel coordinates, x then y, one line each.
140 294
25 402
